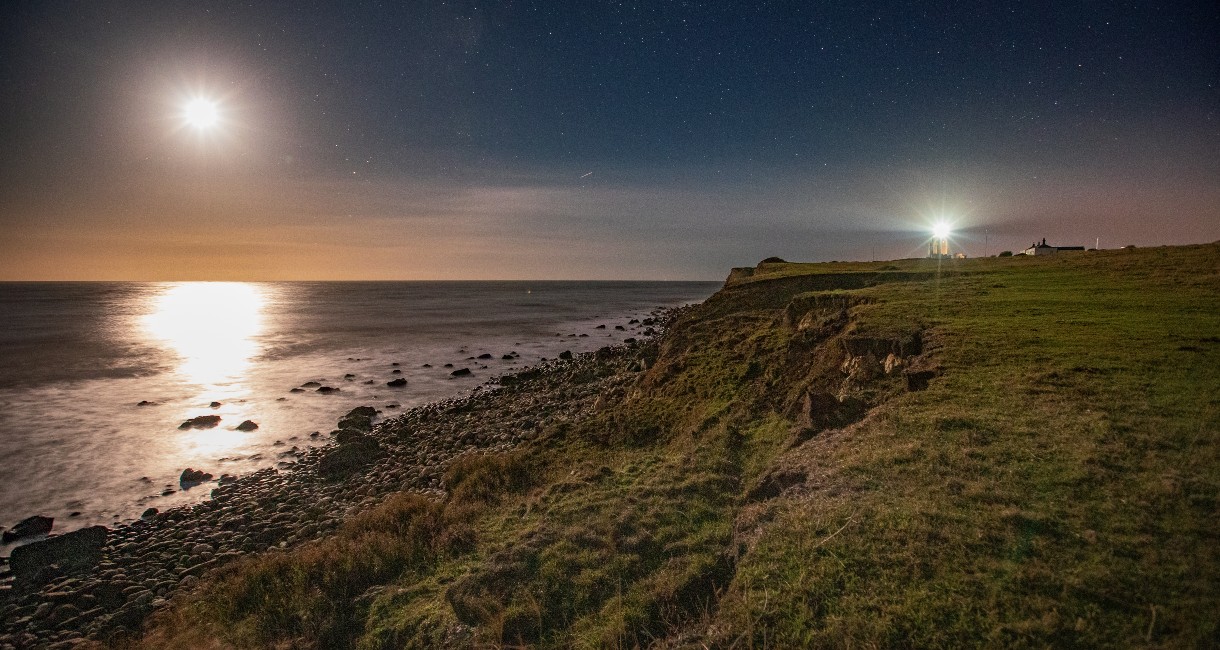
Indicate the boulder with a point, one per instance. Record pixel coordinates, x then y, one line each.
215 405
350 436
145 402
396 383
485 355
310 384
460 372
72 551
248 425
29 527
348 457
359 418
328 390
192 477
565 355
201 422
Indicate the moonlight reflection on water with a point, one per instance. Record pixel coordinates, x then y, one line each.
213 330
212 327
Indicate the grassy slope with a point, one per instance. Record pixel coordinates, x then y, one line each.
1056 483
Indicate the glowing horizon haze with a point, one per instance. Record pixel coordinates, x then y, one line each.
534 140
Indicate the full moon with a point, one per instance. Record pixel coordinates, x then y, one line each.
201 113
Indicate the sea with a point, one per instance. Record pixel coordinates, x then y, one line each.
97 379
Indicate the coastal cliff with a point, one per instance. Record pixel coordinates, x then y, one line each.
994 452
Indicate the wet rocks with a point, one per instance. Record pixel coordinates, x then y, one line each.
396 383
359 418
145 563
247 425
192 477
565 355
201 422
355 451
29 527
328 390
460 372
79 549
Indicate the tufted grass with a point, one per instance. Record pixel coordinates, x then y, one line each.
1056 484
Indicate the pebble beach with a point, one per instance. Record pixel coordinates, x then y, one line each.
103 584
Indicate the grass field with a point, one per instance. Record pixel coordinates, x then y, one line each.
1039 466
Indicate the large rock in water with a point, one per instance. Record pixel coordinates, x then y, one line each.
29 527
72 551
191 477
201 422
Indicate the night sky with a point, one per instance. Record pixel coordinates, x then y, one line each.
593 140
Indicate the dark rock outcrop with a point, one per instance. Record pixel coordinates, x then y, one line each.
29 527
248 425
201 422
192 477
359 418
72 551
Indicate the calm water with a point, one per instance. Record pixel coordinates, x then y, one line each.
76 359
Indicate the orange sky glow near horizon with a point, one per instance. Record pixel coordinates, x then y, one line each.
424 142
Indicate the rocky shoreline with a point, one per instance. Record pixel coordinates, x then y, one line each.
122 575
